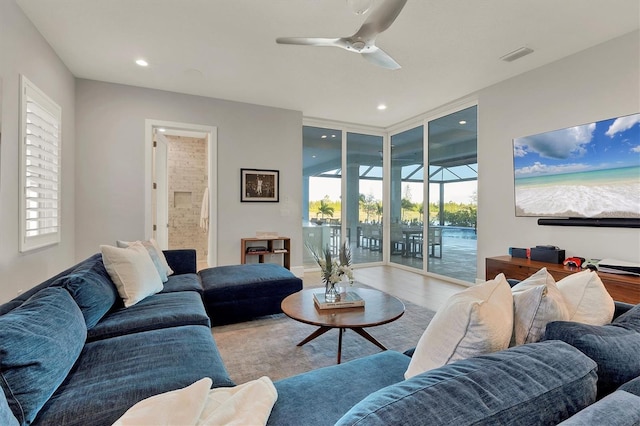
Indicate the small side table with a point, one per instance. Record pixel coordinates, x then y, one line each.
283 248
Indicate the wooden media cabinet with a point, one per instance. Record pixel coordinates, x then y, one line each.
282 246
623 288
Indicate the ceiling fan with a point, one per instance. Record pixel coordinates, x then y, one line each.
363 41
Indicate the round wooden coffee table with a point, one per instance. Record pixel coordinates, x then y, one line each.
380 308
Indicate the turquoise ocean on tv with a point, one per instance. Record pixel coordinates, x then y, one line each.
588 178
597 193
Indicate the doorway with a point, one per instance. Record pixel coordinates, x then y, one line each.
182 194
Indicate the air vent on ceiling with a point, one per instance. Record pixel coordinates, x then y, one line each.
516 54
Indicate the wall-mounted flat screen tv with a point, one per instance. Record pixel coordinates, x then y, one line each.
587 171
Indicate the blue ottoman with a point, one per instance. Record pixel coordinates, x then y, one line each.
240 292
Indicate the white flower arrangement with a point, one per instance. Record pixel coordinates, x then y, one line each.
333 270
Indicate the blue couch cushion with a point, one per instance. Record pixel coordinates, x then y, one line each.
112 375
614 347
91 288
621 408
6 416
39 343
20 299
632 386
183 282
182 261
161 310
533 384
223 283
321 396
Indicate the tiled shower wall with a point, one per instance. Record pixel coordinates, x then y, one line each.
187 164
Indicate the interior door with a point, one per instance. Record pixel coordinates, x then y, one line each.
161 191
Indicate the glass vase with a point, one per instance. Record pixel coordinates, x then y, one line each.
331 293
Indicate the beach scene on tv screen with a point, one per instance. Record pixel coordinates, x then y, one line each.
589 171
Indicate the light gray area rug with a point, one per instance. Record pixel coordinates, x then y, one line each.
267 346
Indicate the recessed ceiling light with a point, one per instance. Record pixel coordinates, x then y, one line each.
313 156
333 136
142 62
462 122
323 136
382 107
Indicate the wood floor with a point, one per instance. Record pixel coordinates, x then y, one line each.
416 288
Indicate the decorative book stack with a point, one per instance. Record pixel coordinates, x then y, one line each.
348 300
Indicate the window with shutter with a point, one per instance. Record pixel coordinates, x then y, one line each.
40 168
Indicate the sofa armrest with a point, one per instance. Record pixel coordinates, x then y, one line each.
182 261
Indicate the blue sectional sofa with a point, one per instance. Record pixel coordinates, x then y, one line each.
542 383
71 354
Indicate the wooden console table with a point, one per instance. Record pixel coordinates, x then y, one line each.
623 288
283 248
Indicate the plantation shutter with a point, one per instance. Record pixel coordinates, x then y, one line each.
40 127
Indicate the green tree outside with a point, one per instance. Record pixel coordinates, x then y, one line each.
325 208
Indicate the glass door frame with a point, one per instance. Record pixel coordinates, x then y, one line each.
386 133
346 128
423 121
443 112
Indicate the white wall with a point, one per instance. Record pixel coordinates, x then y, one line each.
598 83
110 193
104 172
24 51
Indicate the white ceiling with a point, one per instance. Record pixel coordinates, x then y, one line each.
226 48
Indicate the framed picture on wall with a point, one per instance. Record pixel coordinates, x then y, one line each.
259 185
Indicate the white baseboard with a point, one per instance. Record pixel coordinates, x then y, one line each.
298 271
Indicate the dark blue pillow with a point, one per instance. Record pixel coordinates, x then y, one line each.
614 347
39 343
537 383
630 319
619 409
632 387
92 289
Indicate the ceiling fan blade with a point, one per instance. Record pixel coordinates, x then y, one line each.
378 57
310 41
380 19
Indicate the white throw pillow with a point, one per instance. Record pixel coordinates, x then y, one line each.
588 301
163 259
157 257
536 302
246 404
476 321
132 271
179 407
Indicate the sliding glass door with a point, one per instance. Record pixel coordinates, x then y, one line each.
406 207
342 205
364 197
322 194
451 244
